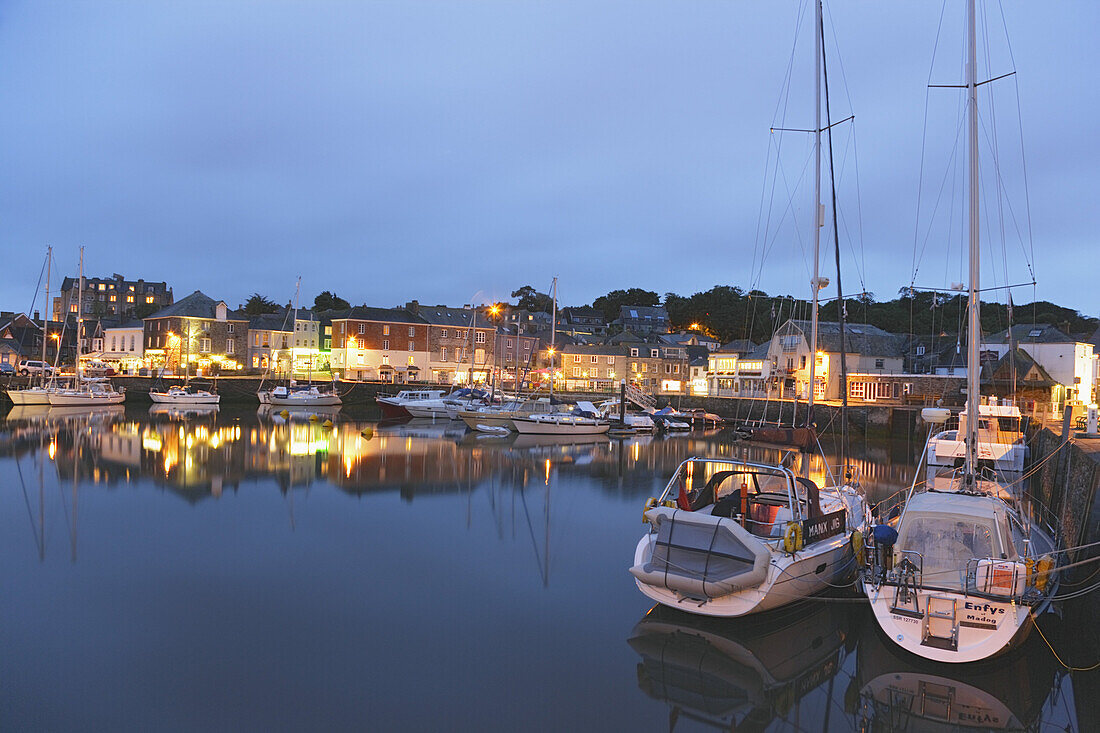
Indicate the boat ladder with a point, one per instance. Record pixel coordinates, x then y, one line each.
642 399
936 701
941 623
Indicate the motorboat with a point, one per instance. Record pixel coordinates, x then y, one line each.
295 396
638 422
583 420
89 393
731 538
1002 445
500 416
177 395
396 406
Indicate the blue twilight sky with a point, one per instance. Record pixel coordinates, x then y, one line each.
453 151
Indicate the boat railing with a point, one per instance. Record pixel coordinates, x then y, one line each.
786 473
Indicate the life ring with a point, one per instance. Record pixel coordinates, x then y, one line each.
792 538
650 503
857 546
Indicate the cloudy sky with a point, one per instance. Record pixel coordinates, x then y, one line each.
453 151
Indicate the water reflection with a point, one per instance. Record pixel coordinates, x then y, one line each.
504 550
747 674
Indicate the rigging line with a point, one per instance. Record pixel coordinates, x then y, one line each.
950 173
1000 183
790 200
788 210
1023 156
924 140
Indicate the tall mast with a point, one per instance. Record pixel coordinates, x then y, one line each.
79 313
974 328
814 284
46 312
553 335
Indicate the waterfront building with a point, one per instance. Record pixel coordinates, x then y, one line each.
1069 361
196 335
582 321
454 335
643 319
124 346
386 344
269 342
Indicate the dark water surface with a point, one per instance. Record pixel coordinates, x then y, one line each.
235 572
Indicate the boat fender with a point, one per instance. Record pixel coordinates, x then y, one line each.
313 418
857 546
367 433
1042 571
327 424
792 538
650 503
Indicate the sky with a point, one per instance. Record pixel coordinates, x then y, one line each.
451 152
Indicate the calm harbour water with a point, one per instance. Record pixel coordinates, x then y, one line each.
236 571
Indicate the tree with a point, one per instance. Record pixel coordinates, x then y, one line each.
532 300
258 304
610 304
329 301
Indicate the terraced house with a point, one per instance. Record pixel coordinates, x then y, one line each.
197 331
386 344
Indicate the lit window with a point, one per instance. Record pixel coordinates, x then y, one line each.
113 298
595 359
129 299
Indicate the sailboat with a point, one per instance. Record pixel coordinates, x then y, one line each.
295 395
86 392
966 574
732 537
39 394
184 394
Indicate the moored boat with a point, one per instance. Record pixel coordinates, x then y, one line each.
176 395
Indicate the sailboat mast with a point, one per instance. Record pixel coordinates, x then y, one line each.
79 314
814 284
974 326
46 312
553 335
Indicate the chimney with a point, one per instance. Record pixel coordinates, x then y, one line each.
413 306
36 315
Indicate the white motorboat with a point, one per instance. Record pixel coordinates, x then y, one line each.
177 395
88 394
501 416
639 422
1001 443
396 406
583 420
294 396
730 538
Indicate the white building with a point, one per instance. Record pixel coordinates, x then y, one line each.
1071 363
124 346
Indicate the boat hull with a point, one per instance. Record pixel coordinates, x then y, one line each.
526 426
29 396
322 401
84 400
190 399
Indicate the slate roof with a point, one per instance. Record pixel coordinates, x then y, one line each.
128 325
594 349
655 312
737 346
859 338
1036 333
13 345
385 315
197 305
1001 371
271 322
439 315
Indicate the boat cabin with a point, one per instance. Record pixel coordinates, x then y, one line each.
416 395
996 424
764 499
951 536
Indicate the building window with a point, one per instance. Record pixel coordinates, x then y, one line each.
129 299
443 354
113 344
113 298
576 371
920 350
385 359
131 342
443 334
610 373
412 346
802 362
204 346
479 337
363 328
148 298
385 344
412 330
880 363
229 346
856 389
255 361
576 358
229 327
363 359
655 353
633 352
256 339
595 359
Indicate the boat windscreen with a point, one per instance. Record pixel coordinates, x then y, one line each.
946 543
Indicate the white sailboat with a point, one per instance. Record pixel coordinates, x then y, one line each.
292 394
966 574
39 394
86 392
731 538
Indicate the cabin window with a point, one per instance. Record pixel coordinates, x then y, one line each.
945 544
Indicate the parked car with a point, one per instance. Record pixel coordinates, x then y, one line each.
6 368
35 367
